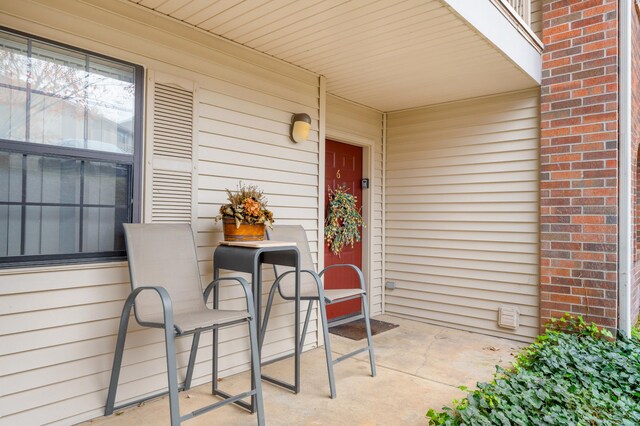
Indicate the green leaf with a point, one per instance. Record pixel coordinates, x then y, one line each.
574 374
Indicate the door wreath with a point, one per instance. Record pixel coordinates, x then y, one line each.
343 221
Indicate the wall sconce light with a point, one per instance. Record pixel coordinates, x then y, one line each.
300 126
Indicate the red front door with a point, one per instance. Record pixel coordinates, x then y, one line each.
343 167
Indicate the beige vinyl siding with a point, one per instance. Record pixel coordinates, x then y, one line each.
536 17
462 213
243 136
57 340
59 324
351 123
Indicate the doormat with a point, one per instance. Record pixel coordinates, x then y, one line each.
356 330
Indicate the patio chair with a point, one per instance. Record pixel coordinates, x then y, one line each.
312 289
166 293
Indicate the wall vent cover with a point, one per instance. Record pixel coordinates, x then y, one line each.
509 317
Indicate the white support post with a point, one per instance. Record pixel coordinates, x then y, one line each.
625 191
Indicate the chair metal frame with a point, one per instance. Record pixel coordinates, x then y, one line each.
323 302
171 332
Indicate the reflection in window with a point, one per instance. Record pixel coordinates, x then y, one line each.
68 137
57 96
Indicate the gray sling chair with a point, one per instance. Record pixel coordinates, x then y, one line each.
311 289
166 293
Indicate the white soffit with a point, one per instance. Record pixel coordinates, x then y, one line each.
387 54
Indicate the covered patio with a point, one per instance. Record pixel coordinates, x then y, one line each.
440 97
420 366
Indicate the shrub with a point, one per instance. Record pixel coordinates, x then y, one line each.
573 374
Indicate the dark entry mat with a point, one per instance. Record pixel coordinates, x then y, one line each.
356 330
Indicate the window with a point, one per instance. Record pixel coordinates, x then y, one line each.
70 136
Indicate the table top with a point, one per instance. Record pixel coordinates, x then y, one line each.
242 256
258 244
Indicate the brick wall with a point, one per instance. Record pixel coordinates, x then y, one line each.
578 154
635 137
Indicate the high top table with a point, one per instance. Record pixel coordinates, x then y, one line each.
248 257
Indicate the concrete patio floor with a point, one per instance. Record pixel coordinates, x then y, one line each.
420 366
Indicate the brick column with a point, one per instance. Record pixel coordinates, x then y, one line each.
578 160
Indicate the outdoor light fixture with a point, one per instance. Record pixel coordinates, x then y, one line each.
300 126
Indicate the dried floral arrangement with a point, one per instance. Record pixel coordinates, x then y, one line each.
246 204
343 222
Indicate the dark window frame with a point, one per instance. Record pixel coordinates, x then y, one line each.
134 161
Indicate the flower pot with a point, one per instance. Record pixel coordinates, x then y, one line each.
246 231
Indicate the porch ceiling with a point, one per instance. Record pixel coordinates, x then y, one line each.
388 54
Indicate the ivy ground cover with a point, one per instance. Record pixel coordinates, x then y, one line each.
574 374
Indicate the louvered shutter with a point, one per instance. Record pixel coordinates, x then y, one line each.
171 155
